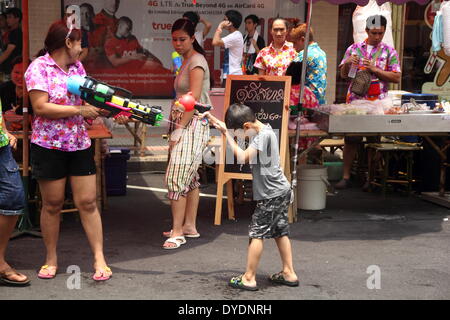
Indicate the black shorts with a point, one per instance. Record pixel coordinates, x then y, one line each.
270 219
50 164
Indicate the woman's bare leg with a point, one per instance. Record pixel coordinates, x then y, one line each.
190 222
85 196
178 215
52 192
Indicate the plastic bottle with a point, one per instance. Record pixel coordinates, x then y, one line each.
353 70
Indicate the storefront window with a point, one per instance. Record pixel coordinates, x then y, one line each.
422 71
416 51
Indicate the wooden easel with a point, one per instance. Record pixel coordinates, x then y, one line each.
224 177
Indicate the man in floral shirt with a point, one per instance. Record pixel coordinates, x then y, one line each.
376 56
383 63
275 59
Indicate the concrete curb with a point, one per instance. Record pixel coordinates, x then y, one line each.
147 163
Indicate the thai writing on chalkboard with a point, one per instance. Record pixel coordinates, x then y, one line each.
267 99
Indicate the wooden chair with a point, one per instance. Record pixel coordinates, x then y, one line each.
381 173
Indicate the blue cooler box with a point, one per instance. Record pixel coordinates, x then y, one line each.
429 99
116 171
420 98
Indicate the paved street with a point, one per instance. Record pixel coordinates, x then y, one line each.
406 238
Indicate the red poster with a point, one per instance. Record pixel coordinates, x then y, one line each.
130 41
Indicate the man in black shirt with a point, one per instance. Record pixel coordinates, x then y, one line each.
252 44
14 47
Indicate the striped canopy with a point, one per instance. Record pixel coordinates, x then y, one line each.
364 2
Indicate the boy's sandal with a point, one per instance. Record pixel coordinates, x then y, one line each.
105 274
178 241
236 282
50 272
279 279
5 278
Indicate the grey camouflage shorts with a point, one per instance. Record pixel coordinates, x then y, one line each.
270 219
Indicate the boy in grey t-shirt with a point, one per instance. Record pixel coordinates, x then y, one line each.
268 178
271 190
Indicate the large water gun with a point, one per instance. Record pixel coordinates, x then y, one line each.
104 96
187 103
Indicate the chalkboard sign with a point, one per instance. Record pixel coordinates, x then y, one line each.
268 96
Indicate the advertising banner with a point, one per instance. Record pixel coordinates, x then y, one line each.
130 42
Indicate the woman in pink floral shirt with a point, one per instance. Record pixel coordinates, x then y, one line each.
60 145
275 59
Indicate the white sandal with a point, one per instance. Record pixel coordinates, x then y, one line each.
178 241
168 234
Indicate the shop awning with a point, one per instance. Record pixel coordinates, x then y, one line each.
365 2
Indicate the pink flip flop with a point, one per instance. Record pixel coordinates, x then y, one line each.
49 275
105 274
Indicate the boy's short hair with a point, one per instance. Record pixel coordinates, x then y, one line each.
237 114
252 17
376 21
15 12
193 17
295 71
234 17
